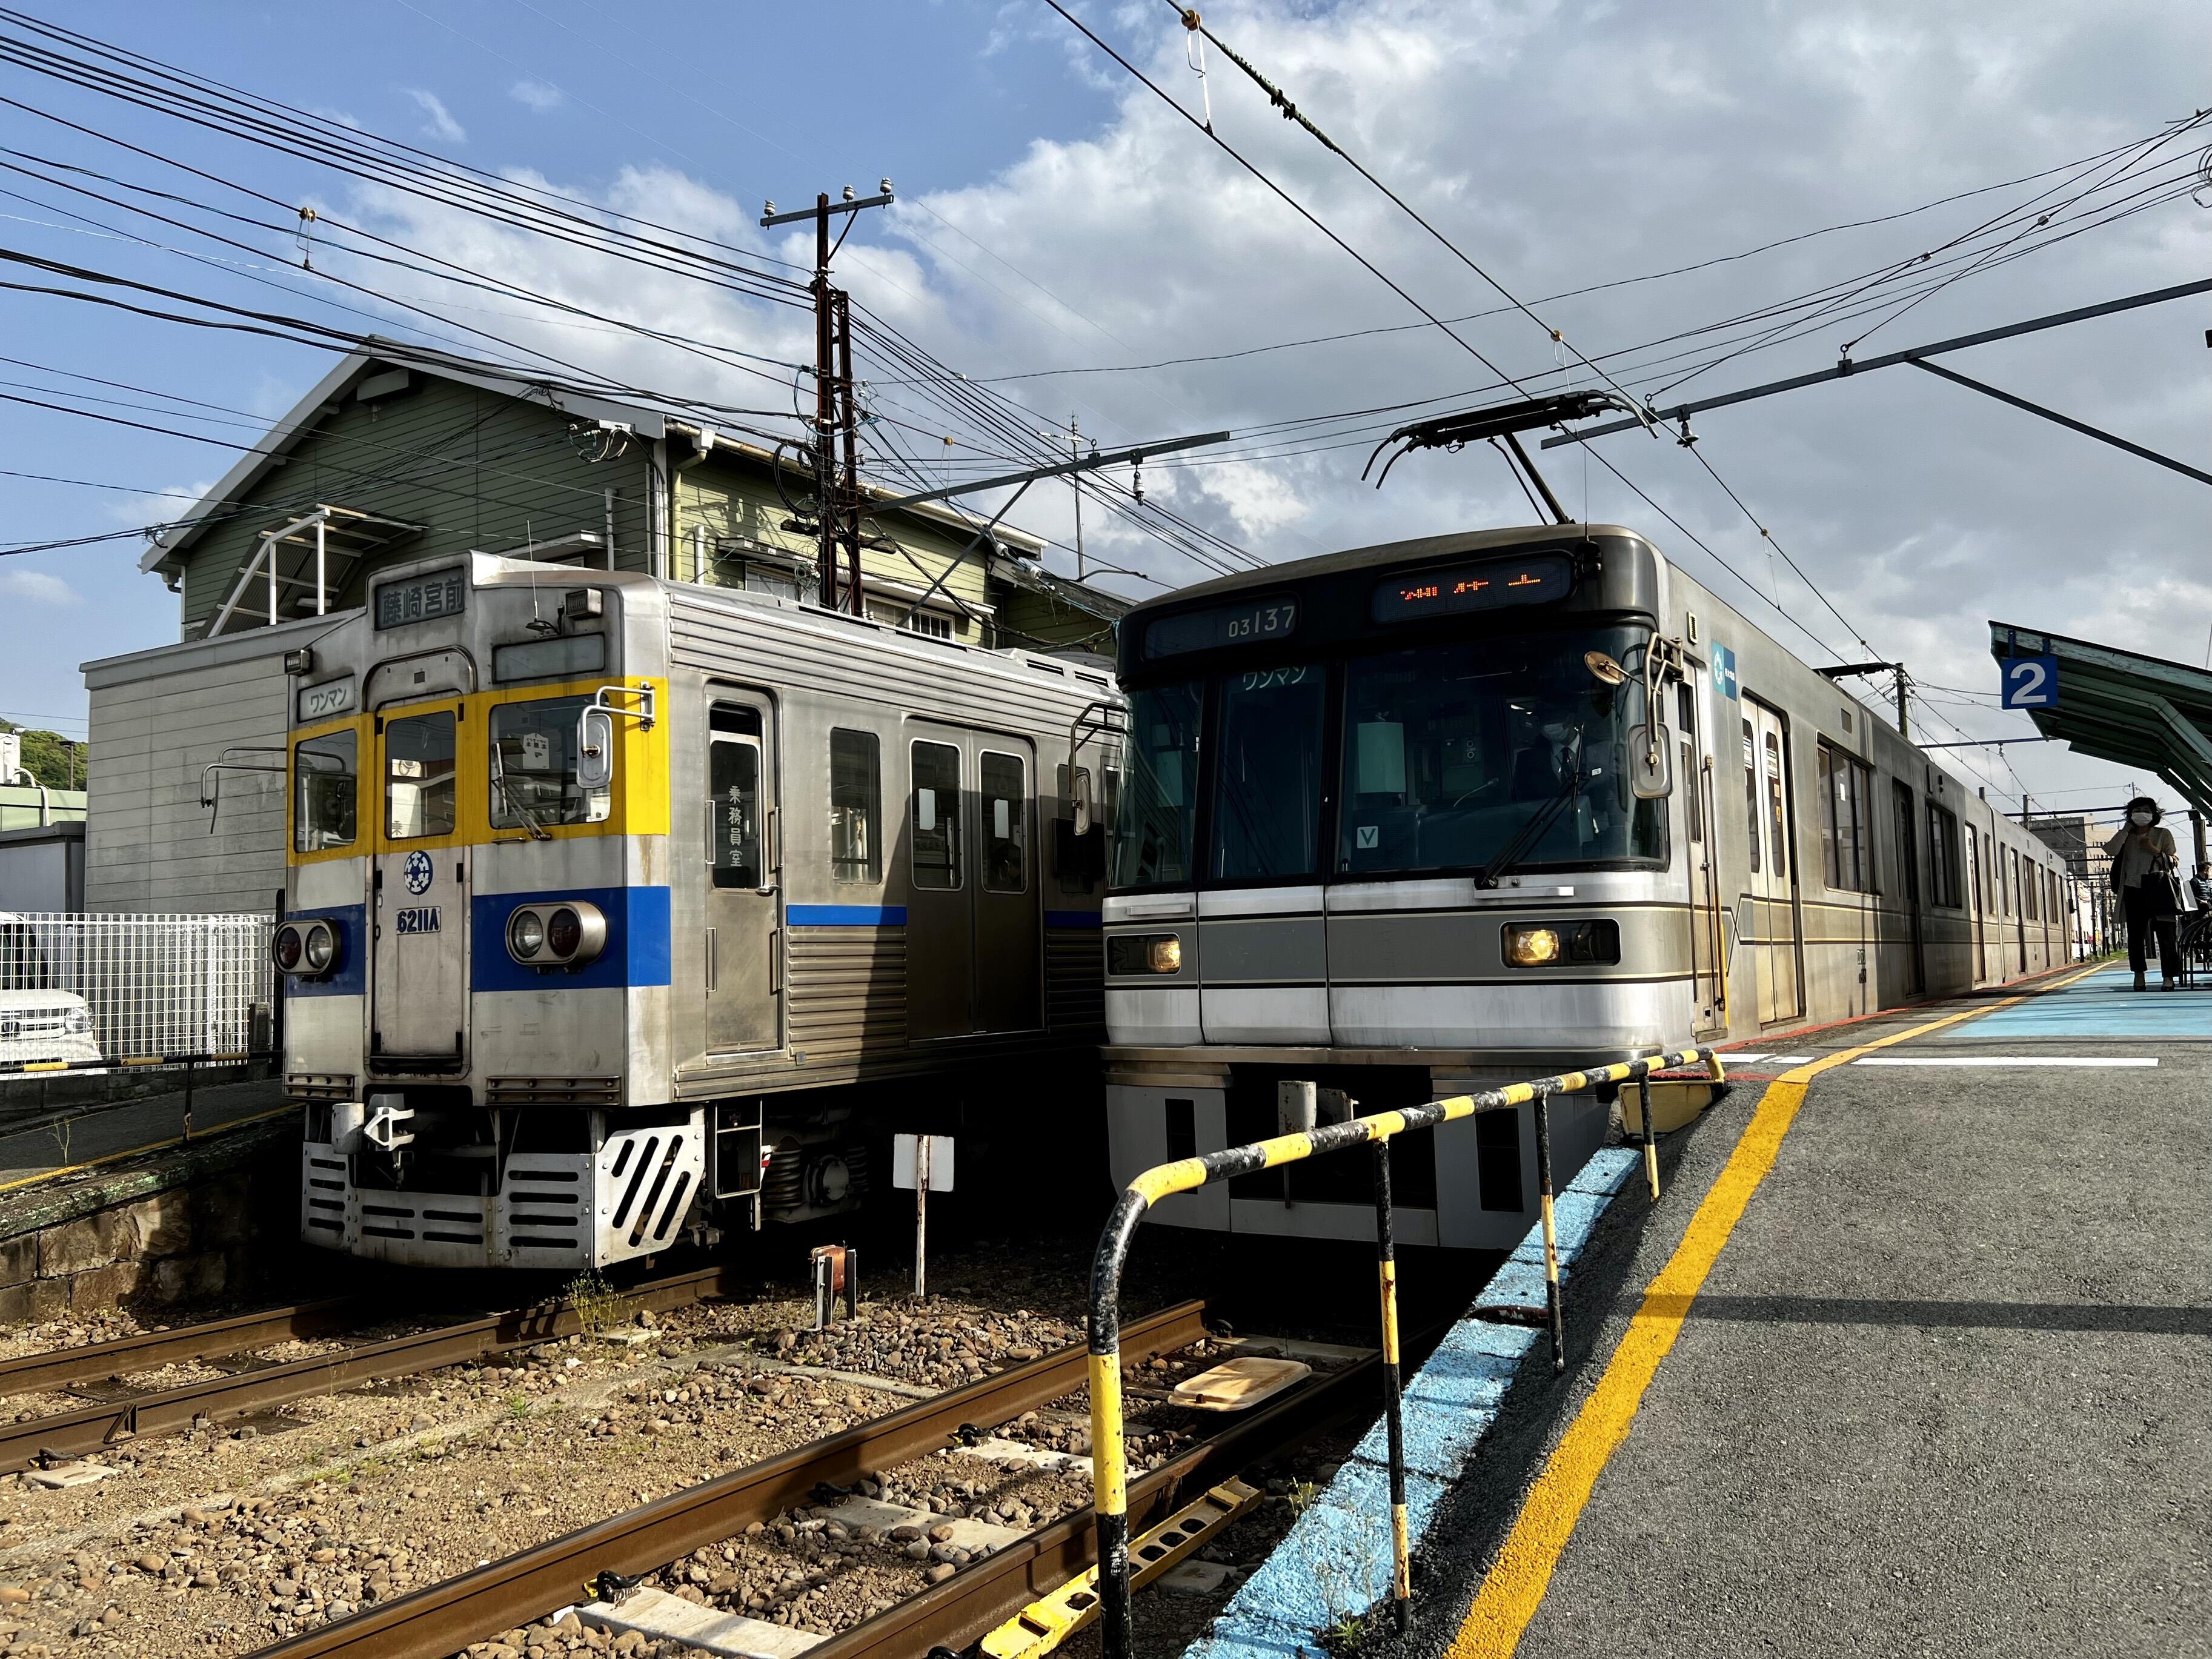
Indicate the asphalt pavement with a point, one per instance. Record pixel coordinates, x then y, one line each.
1945 1389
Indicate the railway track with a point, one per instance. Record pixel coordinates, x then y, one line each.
169 1410
444 1618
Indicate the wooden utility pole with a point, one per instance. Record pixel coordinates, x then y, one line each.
836 412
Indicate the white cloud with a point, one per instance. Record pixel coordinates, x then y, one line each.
537 95
440 123
37 588
1562 148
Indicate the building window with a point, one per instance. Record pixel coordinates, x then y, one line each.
855 806
936 812
1847 830
936 624
1943 876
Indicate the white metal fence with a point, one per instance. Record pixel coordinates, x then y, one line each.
150 985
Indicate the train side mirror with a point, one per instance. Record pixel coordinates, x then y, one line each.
1651 761
1081 801
595 749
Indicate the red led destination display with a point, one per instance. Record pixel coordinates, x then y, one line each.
1496 585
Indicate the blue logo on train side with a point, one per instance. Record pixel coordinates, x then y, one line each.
418 873
1724 672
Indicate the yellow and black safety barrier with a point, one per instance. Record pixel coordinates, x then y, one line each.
1109 1451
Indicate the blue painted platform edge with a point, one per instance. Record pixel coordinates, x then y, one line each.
1335 1562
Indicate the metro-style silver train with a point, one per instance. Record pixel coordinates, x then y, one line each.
1444 813
623 910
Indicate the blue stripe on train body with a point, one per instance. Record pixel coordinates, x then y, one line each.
845 915
638 950
1091 918
351 977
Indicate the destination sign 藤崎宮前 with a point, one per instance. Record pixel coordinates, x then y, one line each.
421 598
1494 586
1245 623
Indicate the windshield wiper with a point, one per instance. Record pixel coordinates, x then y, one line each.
537 831
1534 826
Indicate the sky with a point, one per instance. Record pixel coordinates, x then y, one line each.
1071 243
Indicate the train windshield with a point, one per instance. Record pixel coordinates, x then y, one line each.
1442 754
533 766
1449 750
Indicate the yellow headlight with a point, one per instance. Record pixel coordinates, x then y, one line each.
1166 955
1531 947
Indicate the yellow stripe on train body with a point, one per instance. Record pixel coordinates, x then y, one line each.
640 805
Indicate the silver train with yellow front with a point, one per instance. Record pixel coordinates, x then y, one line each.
623 911
1444 813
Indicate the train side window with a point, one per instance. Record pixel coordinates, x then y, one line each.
324 790
856 808
1943 857
935 849
733 792
418 776
1846 843
1751 793
1003 791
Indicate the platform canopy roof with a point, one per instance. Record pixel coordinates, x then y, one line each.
2121 706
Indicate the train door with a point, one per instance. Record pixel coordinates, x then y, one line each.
1977 911
743 973
1008 989
1908 881
2018 908
419 897
940 928
1771 816
1708 971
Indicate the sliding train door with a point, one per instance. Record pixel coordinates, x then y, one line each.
1770 817
1708 969
1976 902
974 922
1908 882
743 969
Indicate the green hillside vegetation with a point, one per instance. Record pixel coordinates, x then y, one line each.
49 758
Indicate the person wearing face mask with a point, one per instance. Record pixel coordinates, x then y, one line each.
2143 866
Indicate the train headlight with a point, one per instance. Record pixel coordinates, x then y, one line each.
320 948
285 949
308 950
1532 947
1144 953
1562 944
526 935
559 935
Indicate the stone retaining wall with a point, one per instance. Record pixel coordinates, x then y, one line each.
210 1219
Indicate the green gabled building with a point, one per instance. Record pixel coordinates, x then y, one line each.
386 460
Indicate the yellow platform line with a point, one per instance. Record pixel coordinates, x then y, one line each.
1514 1588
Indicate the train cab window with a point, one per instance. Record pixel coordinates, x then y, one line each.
1267 798
1156 815
1002 793
533 766
324 790
856 808
418 776
1456 754
935 848
733 796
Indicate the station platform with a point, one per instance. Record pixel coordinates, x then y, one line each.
1911 1357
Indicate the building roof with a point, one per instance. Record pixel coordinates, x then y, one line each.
2122 706
648 421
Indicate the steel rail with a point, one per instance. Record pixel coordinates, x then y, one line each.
444 1618
168 1411
984 1595
96 1362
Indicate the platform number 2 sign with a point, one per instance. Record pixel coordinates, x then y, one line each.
2030 681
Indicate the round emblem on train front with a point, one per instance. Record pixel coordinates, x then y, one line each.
418 873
